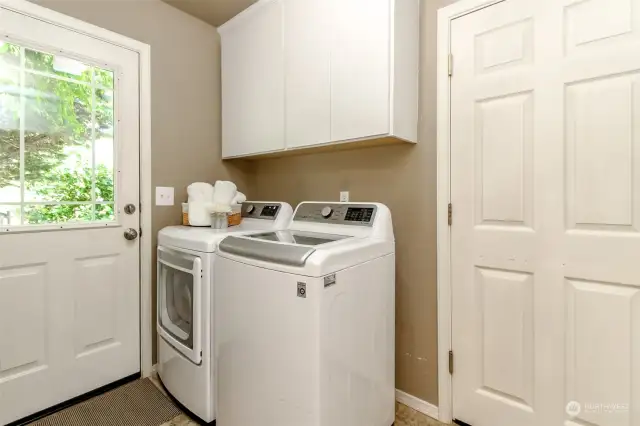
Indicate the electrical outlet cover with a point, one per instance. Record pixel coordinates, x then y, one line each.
344 196
164 196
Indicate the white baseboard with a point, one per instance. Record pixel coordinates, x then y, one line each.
153 372
417 404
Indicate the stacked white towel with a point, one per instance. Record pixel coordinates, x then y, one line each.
205 199
200 192
224 192
240 198
200 197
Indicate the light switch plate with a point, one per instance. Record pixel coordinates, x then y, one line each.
164 195
344 196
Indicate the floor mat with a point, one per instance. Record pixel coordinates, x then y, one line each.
137 403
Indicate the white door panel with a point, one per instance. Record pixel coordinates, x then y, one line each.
598 212
69 289
545 189
494 240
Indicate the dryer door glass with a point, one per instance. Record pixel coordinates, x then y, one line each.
177 277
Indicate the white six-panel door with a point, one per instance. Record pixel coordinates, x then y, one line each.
69 291
545 186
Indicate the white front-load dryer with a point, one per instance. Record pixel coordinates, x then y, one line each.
185 283
304 320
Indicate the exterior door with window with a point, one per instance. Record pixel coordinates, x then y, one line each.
69 164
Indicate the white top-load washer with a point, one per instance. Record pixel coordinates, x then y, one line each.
304 320
185 284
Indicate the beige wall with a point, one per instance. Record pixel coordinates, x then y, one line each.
404 178
186 148
185 84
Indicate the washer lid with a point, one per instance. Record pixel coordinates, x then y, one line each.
298 237
284 254
282 247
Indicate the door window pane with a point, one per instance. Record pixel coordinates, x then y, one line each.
59 65
103 145
57 143
57 213
105 213
9 54
57 140
9 215
9 134
103 78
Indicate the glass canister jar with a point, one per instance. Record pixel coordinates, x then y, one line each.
219 220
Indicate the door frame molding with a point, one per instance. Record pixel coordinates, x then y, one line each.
24 7
445 17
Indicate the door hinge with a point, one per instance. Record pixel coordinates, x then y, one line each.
450 64
451 362
450 214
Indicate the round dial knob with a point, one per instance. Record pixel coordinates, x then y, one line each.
250 208
326 212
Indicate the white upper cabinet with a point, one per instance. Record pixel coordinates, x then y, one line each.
360 69
253 81
304 73
307 72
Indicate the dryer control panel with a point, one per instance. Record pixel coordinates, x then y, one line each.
258 210
353 214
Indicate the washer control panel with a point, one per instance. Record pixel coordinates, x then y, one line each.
266 211
337 213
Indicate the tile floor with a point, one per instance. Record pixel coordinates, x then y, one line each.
405 416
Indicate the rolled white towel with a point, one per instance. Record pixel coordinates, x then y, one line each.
195 191
239 199
199 214
208 193
200 192
224 192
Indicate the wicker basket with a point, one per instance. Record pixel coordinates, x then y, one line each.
185 214
235 217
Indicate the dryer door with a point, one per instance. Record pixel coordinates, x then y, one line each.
179 301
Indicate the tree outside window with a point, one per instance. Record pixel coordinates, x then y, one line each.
56 138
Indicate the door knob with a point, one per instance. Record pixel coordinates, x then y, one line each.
131 234
130 209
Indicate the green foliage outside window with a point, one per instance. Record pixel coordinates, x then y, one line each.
70 186
57 119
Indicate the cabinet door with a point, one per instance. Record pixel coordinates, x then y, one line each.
360 68
253 82
308 72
